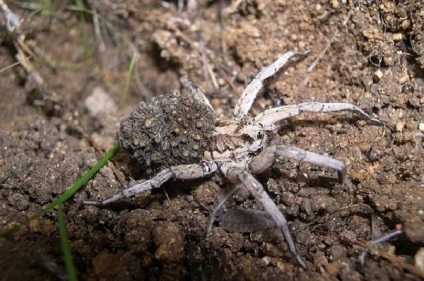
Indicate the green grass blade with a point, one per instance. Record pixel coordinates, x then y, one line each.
66 249
124 95
67 194
83 24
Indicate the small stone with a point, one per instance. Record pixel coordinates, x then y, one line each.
371 33
251 30
388 60
320 259
333 268
35 226
19 201
99 101
419 259
404 78
335 4
400 125
266 260
377 75
397 36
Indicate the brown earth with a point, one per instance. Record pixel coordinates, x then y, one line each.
375 59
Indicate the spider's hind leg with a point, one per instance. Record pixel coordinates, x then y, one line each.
257 190
267 157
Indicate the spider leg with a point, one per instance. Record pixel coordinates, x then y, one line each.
183 172
266 158
218 206
195 92
249 95
382 239
271 116
256 189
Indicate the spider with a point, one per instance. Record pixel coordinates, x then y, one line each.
177 136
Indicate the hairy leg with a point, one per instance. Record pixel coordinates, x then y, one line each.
257 190
249 95
183 172
218 206
271 116
382 239
267 157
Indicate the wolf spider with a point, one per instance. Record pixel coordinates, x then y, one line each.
178 136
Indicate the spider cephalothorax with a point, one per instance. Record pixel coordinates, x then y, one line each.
178 134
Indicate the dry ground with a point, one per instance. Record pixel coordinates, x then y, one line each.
375 59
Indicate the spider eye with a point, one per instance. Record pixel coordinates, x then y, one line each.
260 135
247 137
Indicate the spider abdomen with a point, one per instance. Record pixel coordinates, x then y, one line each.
169 130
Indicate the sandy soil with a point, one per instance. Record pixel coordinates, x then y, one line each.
374 58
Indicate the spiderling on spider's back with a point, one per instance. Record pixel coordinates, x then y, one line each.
172 129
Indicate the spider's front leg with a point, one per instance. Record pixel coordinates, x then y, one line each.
267 157
249 95
256 189
183 172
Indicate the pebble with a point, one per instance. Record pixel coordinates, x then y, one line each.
421 127
333 268
99 102
19 201
419 259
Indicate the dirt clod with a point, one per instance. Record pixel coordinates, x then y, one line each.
169 242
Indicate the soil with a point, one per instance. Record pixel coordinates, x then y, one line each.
369 53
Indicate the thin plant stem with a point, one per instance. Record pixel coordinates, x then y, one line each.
124 95
66 249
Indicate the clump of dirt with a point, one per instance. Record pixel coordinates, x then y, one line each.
368 53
